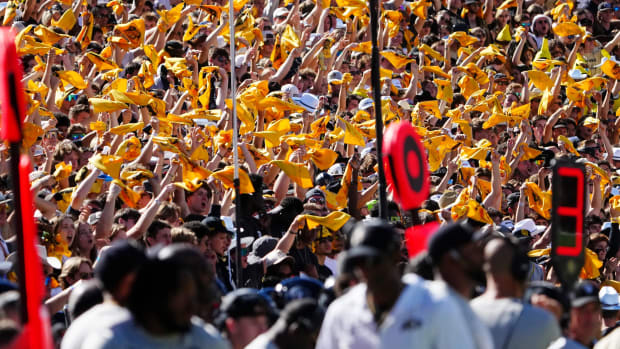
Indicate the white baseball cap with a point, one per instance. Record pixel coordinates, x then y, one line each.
610 300
529 225
365 104
308 101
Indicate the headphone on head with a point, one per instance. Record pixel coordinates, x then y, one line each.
520 265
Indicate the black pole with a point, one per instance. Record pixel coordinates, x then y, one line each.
17 215
239 272
376 92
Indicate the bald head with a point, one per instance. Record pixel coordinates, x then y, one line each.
498 256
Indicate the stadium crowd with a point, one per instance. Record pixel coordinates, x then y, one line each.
129 126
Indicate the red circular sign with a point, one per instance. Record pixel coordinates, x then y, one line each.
405 164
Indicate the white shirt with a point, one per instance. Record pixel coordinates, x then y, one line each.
420 318
332 264
480 333
96 319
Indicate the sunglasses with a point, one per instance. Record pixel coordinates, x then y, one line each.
244 252
599 250
77 136
86 276
71 97
316 200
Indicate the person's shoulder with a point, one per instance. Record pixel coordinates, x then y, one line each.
98 318
611 340
565 343
205 335
484 300
120 335
261 342
355 296
496 311
538 314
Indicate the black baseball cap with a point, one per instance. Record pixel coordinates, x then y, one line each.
449 237
117 261
314 192
584 292
244 302
604 6
289 204
513 198
261 247
373 238
215 225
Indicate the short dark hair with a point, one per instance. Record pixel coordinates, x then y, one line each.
198 228
155 227
78 108
127 214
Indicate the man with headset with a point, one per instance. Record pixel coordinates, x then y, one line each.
513 323
457 259
384 311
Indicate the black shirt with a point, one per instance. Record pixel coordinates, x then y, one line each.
303 258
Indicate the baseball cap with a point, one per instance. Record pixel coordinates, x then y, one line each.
280 11
513 198
308 101
603 6
245 242
289 204
527 227
323 178
334 76
299 288
548 289
609 298
447 198
276 257
215 225
373 238
585 292
616 156
261 247
506 227
38 150
501 76
449 237
365 104
560 124
314 192
244 302
117 261
337 169
291 89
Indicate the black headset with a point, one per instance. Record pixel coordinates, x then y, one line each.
520 265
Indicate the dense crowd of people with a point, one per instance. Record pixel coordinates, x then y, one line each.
129 126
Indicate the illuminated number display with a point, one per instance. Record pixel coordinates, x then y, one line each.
567 219
570 213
